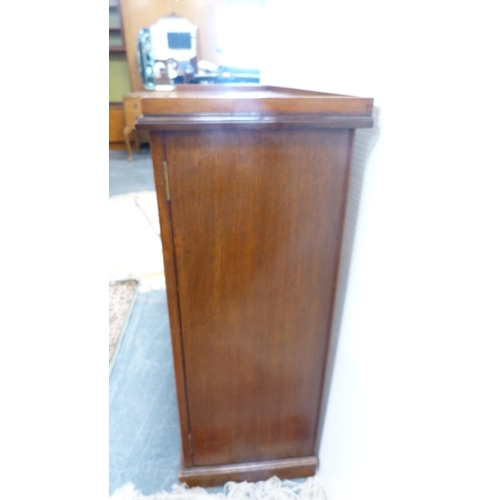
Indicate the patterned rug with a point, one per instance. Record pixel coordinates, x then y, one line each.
272 489
121 299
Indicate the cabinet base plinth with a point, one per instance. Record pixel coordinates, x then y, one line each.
217 475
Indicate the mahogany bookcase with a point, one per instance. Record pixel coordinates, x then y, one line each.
252 185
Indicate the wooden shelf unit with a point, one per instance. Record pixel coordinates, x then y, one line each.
119 77
116 27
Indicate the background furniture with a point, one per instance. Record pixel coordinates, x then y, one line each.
119 81
116 125
116 40
139 15
252 186
132 105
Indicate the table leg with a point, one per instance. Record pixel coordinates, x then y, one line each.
126 134
136 140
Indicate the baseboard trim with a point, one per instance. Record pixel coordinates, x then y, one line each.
217 475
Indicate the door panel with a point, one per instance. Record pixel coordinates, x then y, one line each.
256 220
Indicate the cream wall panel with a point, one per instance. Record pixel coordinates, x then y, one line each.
413 406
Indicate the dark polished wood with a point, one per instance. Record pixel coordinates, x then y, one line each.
165 216
251 213
257 471
197 99
255 222
257 121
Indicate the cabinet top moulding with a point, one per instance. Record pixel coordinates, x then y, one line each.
190 105
185 99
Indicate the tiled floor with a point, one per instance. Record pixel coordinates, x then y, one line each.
144 446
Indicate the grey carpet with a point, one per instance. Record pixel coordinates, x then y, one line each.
144 431
130 176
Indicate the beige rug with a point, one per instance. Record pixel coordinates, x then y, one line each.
272 489
121 299
134 245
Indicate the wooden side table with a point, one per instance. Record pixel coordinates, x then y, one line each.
133 111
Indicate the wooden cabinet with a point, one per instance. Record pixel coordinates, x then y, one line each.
119 81
133 111
116 123
116 39
252 185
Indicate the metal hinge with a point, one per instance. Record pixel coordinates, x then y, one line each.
165 177
190 443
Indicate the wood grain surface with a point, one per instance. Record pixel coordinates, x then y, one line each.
158 155
256 471
252 187
189 99
256 222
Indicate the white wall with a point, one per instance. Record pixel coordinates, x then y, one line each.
413 407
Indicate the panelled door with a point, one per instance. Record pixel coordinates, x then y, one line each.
256 229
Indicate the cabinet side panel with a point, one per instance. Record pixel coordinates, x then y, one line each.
256 219
158 156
